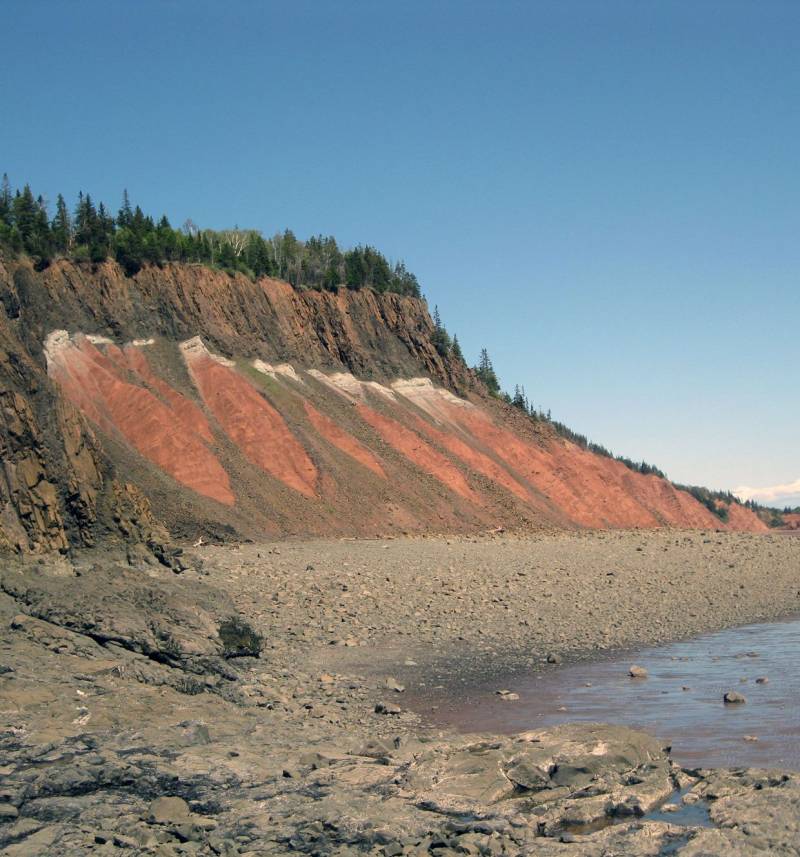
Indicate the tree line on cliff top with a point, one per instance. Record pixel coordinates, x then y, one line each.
91 233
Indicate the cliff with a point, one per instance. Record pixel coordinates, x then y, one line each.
188 400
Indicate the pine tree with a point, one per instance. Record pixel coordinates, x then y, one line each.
485 371
61 227
519 399
84 218
455 350
24 212
125 215
440 337
5 201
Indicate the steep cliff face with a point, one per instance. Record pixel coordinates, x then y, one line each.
58 487
368 334
223 407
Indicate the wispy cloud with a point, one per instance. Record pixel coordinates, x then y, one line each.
770 494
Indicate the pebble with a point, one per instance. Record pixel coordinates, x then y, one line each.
637 672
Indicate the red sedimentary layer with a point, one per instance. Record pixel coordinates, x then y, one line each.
95 383
592 490
474 459
418 451
253 424
190 416
118 389
342 440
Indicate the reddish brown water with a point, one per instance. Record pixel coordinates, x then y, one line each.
681 700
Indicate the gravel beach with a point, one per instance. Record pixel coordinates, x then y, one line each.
474 603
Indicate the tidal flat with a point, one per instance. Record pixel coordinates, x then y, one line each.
130 724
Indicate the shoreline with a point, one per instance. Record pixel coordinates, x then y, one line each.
517 670
679 699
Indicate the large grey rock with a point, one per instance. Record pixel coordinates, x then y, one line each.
167 619
168 810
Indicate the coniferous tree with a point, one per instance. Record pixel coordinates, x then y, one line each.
455 350
5 201
23 210
485 371
440 337
61 227
7 233
125 215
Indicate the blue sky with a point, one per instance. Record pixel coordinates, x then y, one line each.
605 195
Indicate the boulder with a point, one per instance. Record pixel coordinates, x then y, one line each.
168 810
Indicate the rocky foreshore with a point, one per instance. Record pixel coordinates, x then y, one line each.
137 718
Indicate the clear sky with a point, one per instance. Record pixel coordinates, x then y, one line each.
604 194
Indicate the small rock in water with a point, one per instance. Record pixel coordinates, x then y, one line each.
637 672
553 658
670 807
733 698
751 737
762 679
507 695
